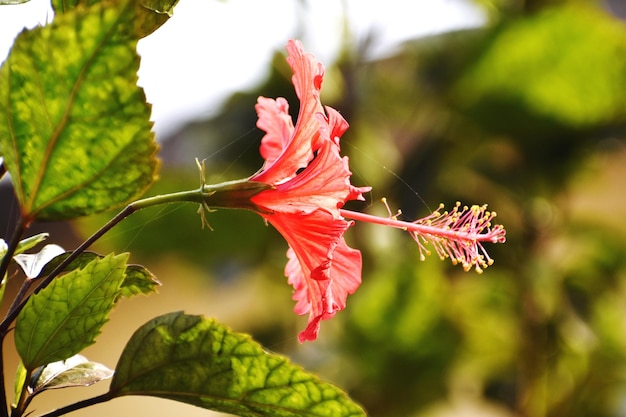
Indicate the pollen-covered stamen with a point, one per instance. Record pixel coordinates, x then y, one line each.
391 216
457 234
465 229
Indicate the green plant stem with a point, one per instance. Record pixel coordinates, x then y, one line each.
234 194
80 404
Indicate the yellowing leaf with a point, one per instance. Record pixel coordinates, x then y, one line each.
74 126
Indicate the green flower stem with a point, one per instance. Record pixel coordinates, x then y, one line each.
231 194
127 211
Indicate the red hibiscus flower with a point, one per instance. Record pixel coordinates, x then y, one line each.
310 183
302 188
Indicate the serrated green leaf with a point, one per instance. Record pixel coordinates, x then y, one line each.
76 371
150 14
160 6
137 279
74 126
153 14
201 362
65 317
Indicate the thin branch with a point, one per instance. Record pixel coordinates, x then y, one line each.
12 315
20 294
80 404
185 196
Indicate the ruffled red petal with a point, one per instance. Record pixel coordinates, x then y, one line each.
275 120
307 78
322 268
310 183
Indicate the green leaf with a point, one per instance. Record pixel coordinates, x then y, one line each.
31 242
20 379
4 2
201 362
151 14
76 371
160 6
137 279
65 6
74 126
65 317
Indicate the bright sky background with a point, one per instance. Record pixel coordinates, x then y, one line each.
203 52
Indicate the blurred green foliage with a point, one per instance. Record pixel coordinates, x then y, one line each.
526 114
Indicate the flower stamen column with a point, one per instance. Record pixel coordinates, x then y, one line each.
457 234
